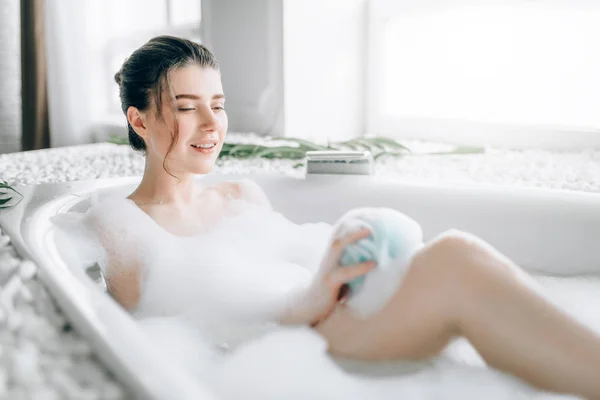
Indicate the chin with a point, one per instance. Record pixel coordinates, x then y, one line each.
201 169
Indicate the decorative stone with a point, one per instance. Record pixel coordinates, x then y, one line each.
44 393
27 270
25 365
4 240
65 384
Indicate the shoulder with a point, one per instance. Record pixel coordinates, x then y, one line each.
115 225
109 215
246 189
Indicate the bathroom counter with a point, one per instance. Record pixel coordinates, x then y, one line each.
42 357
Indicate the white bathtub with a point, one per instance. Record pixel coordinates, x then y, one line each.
553 232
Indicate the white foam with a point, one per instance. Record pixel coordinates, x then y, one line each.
212 292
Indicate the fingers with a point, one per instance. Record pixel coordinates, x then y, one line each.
350 238
339 244
345 274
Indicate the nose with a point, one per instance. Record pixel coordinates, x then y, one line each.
208 121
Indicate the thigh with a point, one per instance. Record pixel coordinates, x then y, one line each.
415 323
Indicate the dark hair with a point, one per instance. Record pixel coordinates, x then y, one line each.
143 74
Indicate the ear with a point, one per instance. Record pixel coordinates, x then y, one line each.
136 120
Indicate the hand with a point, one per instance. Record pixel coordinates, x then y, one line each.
330 286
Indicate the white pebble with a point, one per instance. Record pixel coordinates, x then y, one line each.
88 373
3 383
44 393
25 369
79 347
56 319
6 249
25 294
111 391
15 321
27 270
87 394
65 384
7 263
9 290
17 393
52 361
4 240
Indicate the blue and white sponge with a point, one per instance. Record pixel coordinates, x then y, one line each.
394 240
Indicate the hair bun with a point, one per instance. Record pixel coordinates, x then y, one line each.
119 77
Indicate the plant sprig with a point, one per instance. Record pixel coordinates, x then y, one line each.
296 149
5 198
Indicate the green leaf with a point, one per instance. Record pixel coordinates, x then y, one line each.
389 142
372 144
243 150
120 140
458 150
4 200
377 145
353 144
4 185
290 153
303 143
389 153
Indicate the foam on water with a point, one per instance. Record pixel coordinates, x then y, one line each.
205 301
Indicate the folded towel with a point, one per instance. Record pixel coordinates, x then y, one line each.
394 239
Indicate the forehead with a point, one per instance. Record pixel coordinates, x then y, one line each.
195 80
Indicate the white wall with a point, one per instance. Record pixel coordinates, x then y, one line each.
290 67
246 38
323 87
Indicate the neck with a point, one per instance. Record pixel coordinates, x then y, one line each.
158 187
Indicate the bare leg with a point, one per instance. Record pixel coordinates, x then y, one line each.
460 286
518 331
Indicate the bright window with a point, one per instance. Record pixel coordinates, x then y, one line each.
115 32
506 72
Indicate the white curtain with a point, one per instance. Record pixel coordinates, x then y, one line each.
10 78
70 70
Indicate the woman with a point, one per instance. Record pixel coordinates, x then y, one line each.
456 285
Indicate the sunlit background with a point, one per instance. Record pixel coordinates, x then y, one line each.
527 64
515 73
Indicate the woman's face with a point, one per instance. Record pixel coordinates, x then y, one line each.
196 102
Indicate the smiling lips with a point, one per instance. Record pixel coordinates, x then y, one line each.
206 147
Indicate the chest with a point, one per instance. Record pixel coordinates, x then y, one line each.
197 219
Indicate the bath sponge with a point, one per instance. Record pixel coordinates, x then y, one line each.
394 239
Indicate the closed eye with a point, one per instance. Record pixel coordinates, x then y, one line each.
186 109
218 108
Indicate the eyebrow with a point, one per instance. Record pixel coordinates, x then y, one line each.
219 96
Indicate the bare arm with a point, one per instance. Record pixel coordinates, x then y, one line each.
123 283
122 271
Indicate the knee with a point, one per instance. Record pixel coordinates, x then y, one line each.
464 259
452 247
452 257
